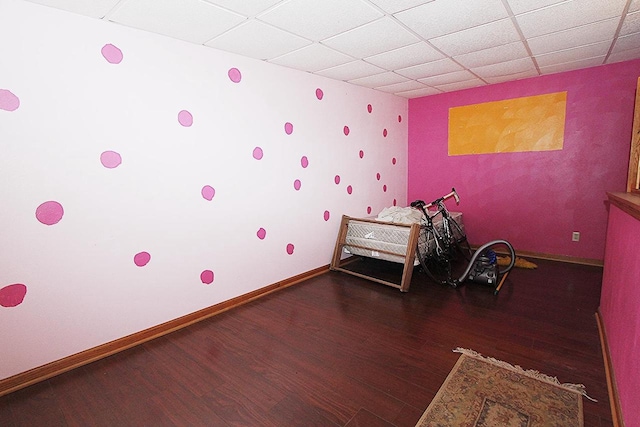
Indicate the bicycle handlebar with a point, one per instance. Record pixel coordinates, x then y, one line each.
422 205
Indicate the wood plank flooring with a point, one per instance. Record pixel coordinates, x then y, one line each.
335 350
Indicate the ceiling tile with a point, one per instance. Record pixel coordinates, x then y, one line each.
509 68
318 20
430 69
628 42
624 55
418 93
511 77
373 38
570 55
635 6
190 20
417 53
574 37
245 7
351 70
493 55
478 38
521 6
393 6
95 9
258 40
568 14
312 58
455 77
442 17
568 66
401 87
631 24
383 79
450 87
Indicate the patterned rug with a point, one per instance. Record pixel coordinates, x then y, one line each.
485 392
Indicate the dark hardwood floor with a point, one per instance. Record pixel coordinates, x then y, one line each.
335 350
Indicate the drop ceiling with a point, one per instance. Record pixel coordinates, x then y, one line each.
411 48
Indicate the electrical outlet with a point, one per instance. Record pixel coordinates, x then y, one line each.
575 237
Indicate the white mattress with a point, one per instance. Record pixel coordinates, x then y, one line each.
382 236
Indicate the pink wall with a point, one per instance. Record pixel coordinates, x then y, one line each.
620 308
535 199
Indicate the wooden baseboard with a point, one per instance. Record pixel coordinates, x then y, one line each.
561 258
614 399
57 367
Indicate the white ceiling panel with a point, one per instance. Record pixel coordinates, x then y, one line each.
317 20
567 15
478 38
312 58
442 17
258 40
190 20
394 44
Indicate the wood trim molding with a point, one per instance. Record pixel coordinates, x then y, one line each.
628 202
552 257
44 372
614 398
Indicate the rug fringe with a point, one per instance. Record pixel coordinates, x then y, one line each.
578 388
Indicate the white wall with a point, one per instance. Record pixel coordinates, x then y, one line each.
83 287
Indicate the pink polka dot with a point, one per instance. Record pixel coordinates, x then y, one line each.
336 179
290 248
111 53
288 128
49 213
262 233
394 202
12 295
393 161
234 75
297 184
319 93
327 215
185 118
110 159
378 176
206 277
368 210
346 130
258 153
384 133
369 108
304 161
141 259
384 188
8 101
349 189
399 118
361 154
208 192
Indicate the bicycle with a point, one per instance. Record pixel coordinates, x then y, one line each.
441 243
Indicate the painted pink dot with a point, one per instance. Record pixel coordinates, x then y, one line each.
258 153
327 215
395 202
262 233
208 192
378 176
112 54
336 179
12 295
290 248
384 133
304 161
235 75
384 188
206 277
346 130
288 128
349 189
393 161
369 108
141 259
185 118
399 118
110 159
297 184
368 210
49 213
319 93
8 101
361 154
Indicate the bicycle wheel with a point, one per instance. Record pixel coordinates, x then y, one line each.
459 240
433 260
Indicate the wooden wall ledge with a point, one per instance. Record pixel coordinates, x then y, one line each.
628 202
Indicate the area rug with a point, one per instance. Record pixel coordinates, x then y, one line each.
485 392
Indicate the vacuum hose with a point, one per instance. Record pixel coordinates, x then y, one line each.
481 250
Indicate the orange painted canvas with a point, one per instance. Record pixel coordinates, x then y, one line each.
532 123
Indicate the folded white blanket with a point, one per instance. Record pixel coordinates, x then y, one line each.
400 215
